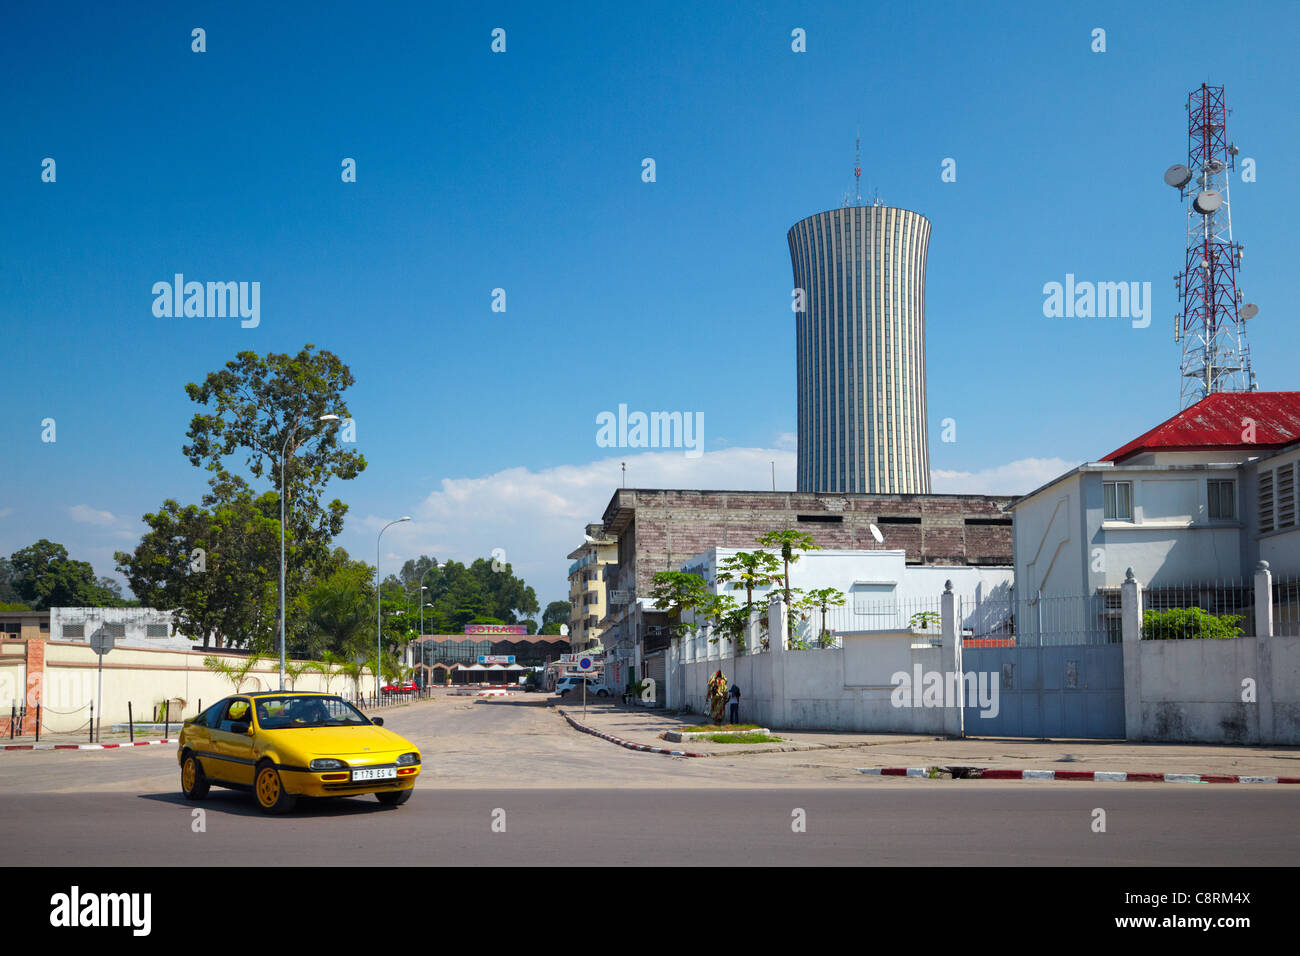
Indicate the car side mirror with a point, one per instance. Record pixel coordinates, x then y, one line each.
240 728
377 721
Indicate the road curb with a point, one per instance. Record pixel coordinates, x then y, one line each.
642 748
1097 776
137 743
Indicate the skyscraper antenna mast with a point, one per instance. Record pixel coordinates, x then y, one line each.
857 167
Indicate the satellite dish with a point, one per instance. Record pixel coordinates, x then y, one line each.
1178 176
1207 202
875 533
1249 310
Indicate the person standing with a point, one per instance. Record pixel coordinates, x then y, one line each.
735 703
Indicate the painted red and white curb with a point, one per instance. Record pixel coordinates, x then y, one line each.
122 746
643 748
1098 776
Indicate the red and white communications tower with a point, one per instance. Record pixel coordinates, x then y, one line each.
1211 325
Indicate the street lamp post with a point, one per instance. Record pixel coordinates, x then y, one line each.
379 620
423 588
284 467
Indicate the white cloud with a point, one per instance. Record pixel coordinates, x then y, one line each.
6 512
788 441
1014 478
537 517
88 515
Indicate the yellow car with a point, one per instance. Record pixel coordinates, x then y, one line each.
285 744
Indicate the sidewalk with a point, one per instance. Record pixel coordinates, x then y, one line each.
868 751
645 727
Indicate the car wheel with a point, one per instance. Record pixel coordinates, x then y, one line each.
194 784
270 792
602 693
395 798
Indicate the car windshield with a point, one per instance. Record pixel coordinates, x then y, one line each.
291 712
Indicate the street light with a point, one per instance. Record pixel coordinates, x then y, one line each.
284 467
423 588
379 620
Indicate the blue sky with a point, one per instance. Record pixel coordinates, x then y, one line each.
522 171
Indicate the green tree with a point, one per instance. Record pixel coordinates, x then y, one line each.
557 613
235 671
789 542
8 578
747 570
44 576
679 593
261 421
821 600
217 568
258 405
338 611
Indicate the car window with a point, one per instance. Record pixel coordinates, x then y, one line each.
212 716
292 712
237 712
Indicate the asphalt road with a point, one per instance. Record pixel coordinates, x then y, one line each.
509 782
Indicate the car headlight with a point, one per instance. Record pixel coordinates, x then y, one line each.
326 763
405 760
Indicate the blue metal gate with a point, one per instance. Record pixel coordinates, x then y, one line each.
1067 690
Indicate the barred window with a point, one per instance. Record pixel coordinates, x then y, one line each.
156 630
74 630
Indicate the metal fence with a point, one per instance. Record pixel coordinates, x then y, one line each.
814 629
1199 609
1196 609
1286 607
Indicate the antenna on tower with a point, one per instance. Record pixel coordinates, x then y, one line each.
1212 324
857 166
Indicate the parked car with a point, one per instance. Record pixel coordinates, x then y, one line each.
567 685
282 745
401 687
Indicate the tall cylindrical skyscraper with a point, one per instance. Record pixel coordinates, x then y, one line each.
861 349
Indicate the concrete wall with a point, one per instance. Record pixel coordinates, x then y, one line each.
1243 690
67 682
849 688
1191 691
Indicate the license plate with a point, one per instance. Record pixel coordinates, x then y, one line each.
379 773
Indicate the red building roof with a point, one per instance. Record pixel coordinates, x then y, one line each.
1219 421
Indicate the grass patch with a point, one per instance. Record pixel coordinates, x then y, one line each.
719 728
743 738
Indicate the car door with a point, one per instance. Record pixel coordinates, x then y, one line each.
197 735
234 746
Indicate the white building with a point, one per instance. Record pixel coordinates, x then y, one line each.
132 627
1198 501
882 592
